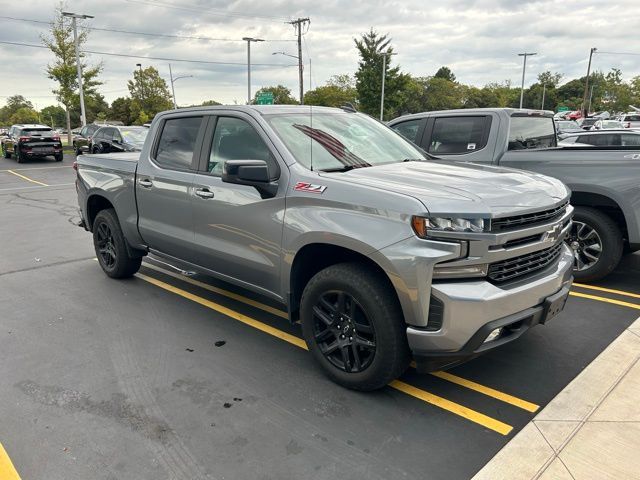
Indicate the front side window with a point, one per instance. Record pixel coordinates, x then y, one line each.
531 132
340 141
457 135
408 129
235 139
177 142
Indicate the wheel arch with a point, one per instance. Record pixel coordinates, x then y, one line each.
95 204
606 205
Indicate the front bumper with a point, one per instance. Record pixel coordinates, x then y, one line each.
473 309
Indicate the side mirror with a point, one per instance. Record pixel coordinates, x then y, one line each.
254 173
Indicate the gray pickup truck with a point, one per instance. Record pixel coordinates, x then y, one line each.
605 181
377 251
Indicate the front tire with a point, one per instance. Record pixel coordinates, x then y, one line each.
5 153
111 247
597 244
354 327
18 154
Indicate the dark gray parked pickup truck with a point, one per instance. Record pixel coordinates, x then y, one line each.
378 252
605 181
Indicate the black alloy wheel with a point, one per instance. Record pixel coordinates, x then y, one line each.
105 244
344 334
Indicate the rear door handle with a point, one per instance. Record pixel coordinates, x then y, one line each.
145 182
204 193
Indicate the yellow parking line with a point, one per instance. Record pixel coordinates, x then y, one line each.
476 417
608 290
604 299
490 392
7 470
220 291
423 395
27 178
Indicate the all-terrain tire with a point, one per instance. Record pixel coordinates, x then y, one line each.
111 248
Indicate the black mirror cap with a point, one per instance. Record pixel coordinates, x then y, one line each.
254 173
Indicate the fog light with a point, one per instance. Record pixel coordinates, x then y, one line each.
493 335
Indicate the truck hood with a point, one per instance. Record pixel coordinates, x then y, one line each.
446 188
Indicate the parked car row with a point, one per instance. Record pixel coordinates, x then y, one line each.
109 138
29 141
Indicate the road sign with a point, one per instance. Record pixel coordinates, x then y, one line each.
264 98
563 109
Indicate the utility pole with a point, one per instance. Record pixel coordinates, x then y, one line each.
140 83
173 80
74 16
384 74
590 97
524 67
586 84
298 24
544 90
249 40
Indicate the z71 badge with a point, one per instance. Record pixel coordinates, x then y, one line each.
309 187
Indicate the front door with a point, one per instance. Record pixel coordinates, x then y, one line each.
164 184
238 233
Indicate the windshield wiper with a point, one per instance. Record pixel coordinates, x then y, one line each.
345 168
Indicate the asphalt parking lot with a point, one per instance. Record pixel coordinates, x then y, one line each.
165 376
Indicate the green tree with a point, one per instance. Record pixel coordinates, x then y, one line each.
209 103
371 47
63 70
24 115
330 96
121 110
281 95
13 104
54 115
149 92
446 73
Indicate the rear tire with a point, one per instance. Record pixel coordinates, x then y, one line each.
5 153
18 154
594 234
59 157
360 341
111 247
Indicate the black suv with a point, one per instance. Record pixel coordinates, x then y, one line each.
31 141
81 140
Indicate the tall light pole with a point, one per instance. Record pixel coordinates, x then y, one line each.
139 65
249 40
590 97
586 84
74 16
297 58
524 67
173 80
544 90
384 74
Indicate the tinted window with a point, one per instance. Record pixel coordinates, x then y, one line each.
99 134
632 118
600 140
91 129
408 129
458 135
630 140
177 142
235 139
37 131
531 132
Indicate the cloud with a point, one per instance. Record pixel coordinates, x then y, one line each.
478 39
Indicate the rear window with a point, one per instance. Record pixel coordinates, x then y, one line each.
457 135
37 131
178 142
408 129
531 132
631 118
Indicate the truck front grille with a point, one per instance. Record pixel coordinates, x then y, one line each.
523 265
529 219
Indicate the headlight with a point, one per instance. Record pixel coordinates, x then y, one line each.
424 225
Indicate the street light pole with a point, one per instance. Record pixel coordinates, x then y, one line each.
173 80
140 83
544 90
384 74
590 96
74 16
586 84
249 40
524 67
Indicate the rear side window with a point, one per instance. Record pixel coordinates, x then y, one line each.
531 132
606 140
458 135
177 142
632 118
408 129
630 140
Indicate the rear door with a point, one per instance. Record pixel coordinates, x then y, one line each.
164 185
238 231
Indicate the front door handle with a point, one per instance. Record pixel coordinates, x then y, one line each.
204 193
145 182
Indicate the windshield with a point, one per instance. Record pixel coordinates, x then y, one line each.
340 141
589 121
568 124
134 135
531 132
611 124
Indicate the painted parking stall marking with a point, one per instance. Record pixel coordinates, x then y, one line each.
24 177
7 470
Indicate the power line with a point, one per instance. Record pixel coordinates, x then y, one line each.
164 59
217 13
146 34
618 53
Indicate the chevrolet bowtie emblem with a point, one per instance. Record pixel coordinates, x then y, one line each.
554 234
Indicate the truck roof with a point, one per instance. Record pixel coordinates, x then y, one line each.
506 111
261 109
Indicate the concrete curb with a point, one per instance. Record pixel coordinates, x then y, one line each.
591 429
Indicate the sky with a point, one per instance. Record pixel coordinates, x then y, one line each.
477 39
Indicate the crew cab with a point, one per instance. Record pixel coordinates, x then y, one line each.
603 180
31 141
380 252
